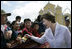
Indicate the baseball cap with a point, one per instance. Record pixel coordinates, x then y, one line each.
4 13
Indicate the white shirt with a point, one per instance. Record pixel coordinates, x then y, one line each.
61 39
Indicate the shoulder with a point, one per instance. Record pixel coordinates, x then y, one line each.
63 27
64 30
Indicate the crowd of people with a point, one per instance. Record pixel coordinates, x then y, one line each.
43 29
16 30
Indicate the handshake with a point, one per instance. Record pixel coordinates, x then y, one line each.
23 39
27 36
19 40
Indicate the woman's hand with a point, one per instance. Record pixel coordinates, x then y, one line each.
8 45
27 35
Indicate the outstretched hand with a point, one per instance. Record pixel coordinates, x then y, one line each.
27 35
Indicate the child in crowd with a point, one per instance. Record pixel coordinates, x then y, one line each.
15 27
35 27
26 30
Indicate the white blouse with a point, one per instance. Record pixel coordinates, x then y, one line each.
61 38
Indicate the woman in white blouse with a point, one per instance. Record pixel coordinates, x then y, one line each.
58 36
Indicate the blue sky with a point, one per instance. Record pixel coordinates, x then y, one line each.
30 9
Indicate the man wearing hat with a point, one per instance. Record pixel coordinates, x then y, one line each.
4 16
67 22
3 20
6 32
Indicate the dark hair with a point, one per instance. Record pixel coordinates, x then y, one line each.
49 17
67 20
39 18
13 22
35 23
18 17
65 17
26 20
8 23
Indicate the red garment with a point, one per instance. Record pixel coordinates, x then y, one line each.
29 32
5 27
45 45
35 32
32 31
